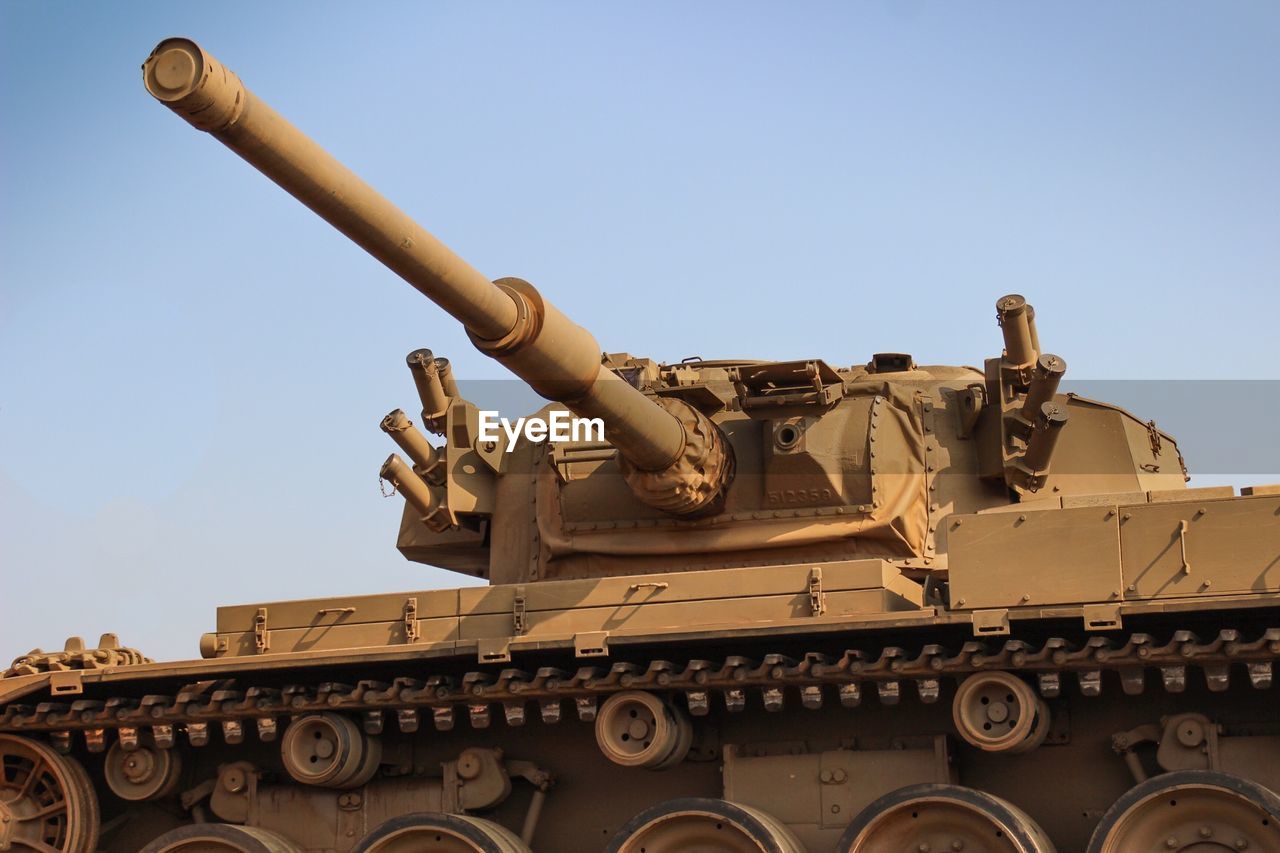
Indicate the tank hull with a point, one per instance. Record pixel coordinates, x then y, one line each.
809 728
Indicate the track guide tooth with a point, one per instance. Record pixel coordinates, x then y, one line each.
1260 675
372 722
929 689
1090 681
1175 678
442 718
266 729
1217 676
586 707
773 698
479 714
95 739
61 742
1133 680
549 710
699 702
162 734
128 737
811 697
198 734
735 699
889 692
407 720
232 732
514 712
1050 684
851 694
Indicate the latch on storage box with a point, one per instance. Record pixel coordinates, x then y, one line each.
261 636
411 630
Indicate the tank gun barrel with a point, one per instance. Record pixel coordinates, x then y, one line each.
667 465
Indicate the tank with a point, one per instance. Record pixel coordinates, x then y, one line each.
731 606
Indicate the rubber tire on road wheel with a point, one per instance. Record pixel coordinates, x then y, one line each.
483 836
1015 830
1180 784
766 832
229 837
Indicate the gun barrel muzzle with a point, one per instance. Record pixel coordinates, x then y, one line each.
198 87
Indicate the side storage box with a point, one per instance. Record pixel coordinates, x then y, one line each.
1038 557
357 621
1206 547
684 601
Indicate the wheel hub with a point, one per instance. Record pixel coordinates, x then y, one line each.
139 766
322 747
638 729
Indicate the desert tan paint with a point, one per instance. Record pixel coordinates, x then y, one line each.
786 606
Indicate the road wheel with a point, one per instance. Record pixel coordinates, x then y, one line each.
1190 810
942 818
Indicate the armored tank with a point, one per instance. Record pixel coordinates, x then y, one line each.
751 606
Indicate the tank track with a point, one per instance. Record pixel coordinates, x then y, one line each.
814 676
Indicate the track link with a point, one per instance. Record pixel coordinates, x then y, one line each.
815 677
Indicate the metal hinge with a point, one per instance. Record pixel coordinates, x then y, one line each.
494 649
411 630
66 683
591 644
1154 435
817 598
261 636
1101 617
519 623
990 622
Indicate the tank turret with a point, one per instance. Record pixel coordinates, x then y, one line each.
830 462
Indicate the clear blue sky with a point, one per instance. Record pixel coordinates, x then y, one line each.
192 366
